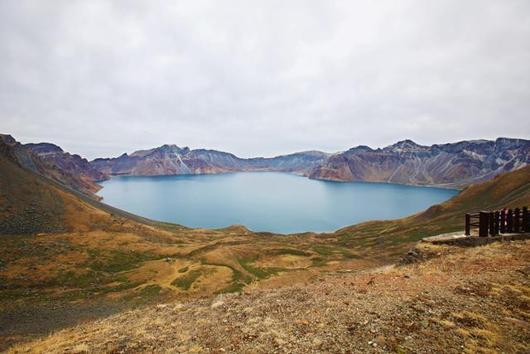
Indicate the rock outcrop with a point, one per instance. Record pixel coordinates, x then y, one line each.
68 163
447 165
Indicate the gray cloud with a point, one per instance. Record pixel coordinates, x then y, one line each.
262 77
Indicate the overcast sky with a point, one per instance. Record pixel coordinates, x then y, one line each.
100 78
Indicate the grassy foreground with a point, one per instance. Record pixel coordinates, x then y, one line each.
461 300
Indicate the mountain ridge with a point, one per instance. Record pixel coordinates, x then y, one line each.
449 165
173 160
453 165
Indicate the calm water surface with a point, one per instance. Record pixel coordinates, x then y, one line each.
266 201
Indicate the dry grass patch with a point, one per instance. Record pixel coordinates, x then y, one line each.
209 279
160 271
288 261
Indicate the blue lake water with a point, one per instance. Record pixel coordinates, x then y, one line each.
267 201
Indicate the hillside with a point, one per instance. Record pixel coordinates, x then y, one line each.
52 162
446 165
70 164
460 301
66 258
506 190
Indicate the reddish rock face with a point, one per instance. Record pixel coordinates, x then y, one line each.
69 163
447 165
52 162
173 160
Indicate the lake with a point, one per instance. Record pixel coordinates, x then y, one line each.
266 201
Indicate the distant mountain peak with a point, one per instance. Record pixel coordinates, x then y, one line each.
163 149
406 145
406 142
173 148
360 148
44 148
7 139
512 141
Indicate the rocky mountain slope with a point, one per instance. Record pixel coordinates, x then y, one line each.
72 164
447 165
173 160
508 190
453 165
52 162
36 198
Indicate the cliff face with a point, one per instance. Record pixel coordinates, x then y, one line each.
52 162
448 165
69 163
173 160
168 160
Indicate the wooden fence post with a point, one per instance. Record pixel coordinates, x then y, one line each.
516 220
503 221
468 226
509 221
491 218
526 220
483 224
496 216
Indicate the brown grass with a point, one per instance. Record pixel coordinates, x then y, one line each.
441 305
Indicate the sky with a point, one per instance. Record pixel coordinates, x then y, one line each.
261 78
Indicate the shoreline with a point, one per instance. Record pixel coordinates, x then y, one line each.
436 186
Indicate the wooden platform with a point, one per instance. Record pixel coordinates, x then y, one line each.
460 239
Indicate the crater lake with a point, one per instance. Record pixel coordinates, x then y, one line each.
266 201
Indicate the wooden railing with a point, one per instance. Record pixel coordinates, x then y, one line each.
493 223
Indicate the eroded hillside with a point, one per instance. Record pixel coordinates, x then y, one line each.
447 165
